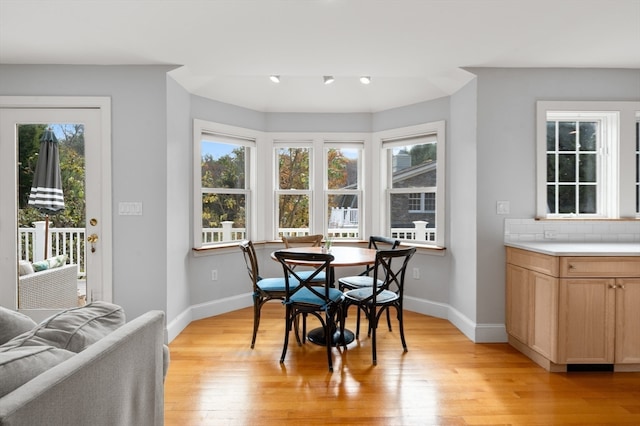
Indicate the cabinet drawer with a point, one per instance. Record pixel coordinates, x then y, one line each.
538 262
600 267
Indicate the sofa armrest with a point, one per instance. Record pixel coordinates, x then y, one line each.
55 288
116 381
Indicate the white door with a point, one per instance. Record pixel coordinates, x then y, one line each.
94 115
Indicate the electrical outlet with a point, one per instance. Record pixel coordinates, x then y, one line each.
214 275
550 234
502 207
416 273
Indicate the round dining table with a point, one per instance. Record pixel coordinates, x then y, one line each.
343 256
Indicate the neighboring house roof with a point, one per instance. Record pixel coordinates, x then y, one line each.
412 171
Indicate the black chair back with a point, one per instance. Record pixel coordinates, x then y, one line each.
251 261
294 282
392 275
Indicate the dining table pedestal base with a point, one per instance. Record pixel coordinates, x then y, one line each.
317 336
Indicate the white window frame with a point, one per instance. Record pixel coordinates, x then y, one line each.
317 142
384 141
616 197
301 142
637 191
358 192
232 135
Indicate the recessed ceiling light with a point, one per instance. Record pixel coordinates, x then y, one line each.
275 78
365 79
328 79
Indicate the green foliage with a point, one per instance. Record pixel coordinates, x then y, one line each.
423 153
337 170
28 147
293 168
226 172
72 166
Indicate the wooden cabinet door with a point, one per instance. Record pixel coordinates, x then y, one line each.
544 329
627 321
586 327
518 300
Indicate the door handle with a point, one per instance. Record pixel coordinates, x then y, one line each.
92 239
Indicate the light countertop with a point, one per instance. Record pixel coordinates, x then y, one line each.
568 248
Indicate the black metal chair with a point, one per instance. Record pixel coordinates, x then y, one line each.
304 296
364 279
264 289
305 241
376 300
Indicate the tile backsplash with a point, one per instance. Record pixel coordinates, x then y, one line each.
571 230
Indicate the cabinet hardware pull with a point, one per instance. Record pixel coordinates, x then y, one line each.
621 286
612 286
571 266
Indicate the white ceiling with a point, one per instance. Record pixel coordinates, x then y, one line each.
414 50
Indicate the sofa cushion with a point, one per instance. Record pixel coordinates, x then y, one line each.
12 324
40 265
19 365
25 268
57 261
73 329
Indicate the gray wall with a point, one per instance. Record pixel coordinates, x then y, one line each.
462 169
139 158
506 153
179 198
490 157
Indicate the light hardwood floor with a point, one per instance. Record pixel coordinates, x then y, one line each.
215 378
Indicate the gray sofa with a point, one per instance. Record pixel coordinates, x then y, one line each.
116 380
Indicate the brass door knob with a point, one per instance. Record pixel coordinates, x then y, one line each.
93 238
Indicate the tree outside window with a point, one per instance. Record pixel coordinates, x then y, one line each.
293 193
342 192
224 191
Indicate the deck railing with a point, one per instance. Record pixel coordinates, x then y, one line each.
69 241
72 241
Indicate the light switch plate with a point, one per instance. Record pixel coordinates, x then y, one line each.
130 209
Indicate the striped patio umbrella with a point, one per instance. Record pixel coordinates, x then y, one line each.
46 190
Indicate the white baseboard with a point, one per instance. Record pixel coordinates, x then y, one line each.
477 333
205 310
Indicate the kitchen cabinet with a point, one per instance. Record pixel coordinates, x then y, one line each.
563 310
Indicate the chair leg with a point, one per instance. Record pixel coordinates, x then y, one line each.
401 322
328 336
304 328
373 325
296 327
342 321
389 320
256 319
287 329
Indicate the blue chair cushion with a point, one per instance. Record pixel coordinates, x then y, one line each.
276 284
304 295
359 281
306 274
